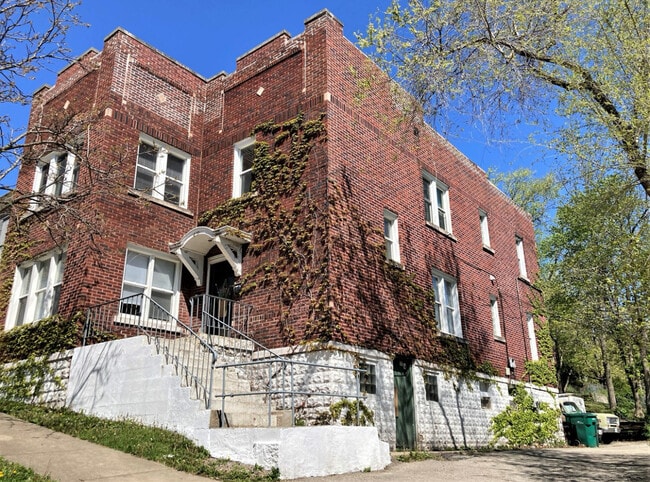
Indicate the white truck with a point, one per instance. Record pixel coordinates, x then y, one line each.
609 425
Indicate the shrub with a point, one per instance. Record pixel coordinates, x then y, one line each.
525 422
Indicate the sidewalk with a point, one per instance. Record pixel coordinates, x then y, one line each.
65 458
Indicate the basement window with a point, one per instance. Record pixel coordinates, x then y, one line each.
367 378
431 387
486 400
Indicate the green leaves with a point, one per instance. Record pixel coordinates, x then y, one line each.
526 423
588 62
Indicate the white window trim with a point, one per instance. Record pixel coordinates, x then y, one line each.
160 173
152 254
391 239
521 257
455 327
67 184
238 165
485 230
30 293
432 209
496 318
4 226
532 338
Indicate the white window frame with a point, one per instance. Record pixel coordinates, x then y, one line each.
431 380
485 231
445 287
4 226
391 236
436 202
49 182
147 287
521 257
496 318
38 295
238 166
532 338
159 173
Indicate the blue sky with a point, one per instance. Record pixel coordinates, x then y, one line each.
208 36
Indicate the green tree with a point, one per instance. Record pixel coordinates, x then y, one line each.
595 276
587 62
535 195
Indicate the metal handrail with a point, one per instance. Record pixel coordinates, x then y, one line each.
271 358
195 359
181 346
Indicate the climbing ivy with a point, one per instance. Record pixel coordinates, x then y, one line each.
23 381
542 371
41 338
282 214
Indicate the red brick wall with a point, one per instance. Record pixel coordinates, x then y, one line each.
369 163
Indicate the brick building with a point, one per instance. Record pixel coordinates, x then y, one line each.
300 190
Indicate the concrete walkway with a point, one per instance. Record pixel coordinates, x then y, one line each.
65 458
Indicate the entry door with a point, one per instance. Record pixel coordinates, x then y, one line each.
404 404
221 280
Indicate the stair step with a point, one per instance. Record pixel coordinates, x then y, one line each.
242 419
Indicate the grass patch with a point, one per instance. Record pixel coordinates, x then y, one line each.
11 472
150 443
417 455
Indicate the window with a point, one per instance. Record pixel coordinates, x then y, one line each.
391 236
56 175
162 172
436 203
4 224
447 311
243 168
485 233
496 319
431 387
36 290
520 258
367 378
484 388
153 275
532 339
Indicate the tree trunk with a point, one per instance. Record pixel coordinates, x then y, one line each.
607 369
645 365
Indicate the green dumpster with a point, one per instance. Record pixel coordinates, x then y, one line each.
584 426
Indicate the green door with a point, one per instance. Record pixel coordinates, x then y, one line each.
404 405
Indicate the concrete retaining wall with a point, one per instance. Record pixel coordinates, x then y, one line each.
127 379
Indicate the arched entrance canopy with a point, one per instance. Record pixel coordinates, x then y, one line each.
195 244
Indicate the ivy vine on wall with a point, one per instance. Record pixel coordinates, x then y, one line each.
285 219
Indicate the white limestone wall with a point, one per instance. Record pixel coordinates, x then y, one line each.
54 388
304 451
127 379
457 420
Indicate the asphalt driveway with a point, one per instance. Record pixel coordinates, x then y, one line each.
618 461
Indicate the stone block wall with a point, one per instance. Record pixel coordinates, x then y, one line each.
52 391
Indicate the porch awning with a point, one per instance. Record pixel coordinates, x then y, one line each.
195 244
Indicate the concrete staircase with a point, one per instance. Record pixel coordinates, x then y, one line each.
235 387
